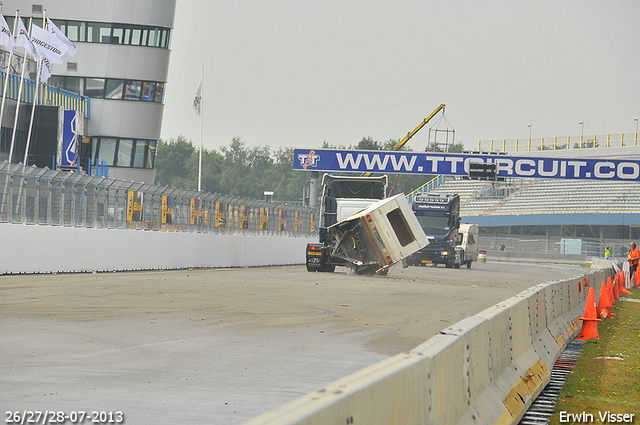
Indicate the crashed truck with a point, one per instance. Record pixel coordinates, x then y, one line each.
361 228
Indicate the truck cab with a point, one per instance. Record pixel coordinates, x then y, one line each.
439 216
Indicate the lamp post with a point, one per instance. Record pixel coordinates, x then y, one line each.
582 133
529 125
635 143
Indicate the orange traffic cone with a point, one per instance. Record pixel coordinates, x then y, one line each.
590 320
603 309
615 288
622 284
586 282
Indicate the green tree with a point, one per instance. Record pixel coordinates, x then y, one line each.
368 144
173 166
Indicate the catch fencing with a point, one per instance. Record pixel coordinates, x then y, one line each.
40 196
556 245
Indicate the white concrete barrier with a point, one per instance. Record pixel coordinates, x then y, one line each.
47 249
486 369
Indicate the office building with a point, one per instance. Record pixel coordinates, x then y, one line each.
121 66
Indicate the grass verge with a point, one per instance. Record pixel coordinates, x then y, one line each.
600 385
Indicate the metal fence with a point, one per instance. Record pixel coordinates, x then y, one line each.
31 195
588 247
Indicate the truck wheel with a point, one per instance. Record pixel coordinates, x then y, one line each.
449 265
468 264
456 265
311 269
329 269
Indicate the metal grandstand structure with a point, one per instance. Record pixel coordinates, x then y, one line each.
535 215
582 141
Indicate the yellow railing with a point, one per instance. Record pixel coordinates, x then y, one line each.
49 95
430 185
586 141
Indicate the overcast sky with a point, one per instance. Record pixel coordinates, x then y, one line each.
295 73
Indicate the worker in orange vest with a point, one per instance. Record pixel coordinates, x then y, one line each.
634 258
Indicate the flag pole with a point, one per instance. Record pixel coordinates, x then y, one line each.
6 76
15 121
36 98
201 119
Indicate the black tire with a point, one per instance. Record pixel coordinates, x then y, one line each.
449 265
329 269
311 269
468 264
456 265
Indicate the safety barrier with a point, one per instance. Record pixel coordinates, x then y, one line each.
485 369
31 195
54 249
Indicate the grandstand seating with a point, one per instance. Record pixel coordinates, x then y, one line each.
531 196
467 189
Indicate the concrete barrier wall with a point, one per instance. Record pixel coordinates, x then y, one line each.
47 249
485 369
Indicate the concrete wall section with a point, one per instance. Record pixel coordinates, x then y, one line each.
47 249
486 369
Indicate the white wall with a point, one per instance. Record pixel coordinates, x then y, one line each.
47 249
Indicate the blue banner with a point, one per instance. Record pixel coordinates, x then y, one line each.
70 139
437 163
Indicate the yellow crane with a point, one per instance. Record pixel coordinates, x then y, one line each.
412 133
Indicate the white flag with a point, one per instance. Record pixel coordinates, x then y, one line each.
47 44
71 48
6 39
47 68
23 40
50 49
197 102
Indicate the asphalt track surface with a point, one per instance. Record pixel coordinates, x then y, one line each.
221 346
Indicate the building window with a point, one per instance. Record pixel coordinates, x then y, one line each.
159 93
94 87
140 152
148 91
75 31
107 150
123 152
132 90
151 154
112 33
114 89
100 88
99 32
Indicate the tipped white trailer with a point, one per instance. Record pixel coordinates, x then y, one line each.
382 232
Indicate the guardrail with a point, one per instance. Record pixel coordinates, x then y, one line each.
31 195
584 141
485 369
